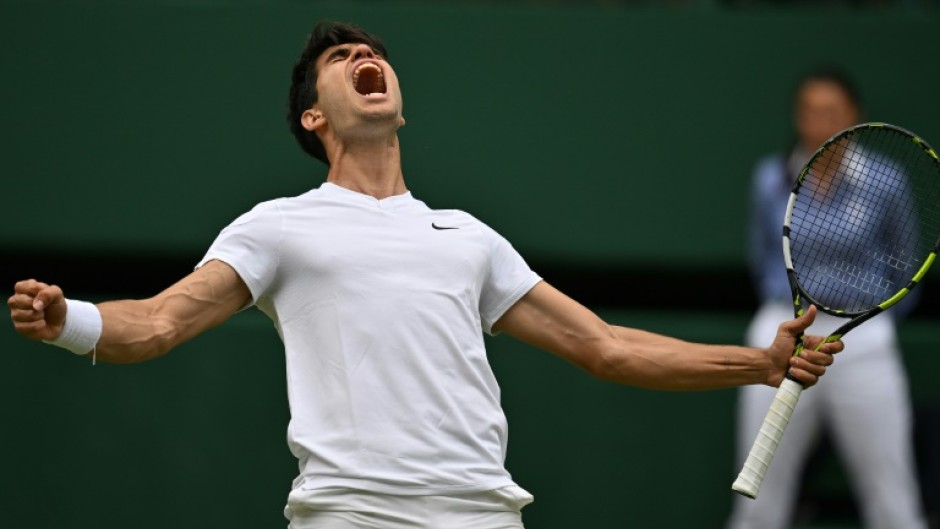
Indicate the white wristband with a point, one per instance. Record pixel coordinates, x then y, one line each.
82 327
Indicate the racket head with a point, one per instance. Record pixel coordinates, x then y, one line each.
863 221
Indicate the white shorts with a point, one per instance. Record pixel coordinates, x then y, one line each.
353 509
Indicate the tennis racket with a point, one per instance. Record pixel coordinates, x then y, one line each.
861 230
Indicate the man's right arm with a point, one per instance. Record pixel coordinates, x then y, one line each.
137 330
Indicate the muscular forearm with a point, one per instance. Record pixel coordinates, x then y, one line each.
650 360
548 319
129 331
134 331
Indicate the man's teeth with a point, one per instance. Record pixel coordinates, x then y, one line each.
378 81
368 66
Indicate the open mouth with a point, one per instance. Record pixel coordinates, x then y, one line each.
368 79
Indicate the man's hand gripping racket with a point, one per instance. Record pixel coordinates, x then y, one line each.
861 230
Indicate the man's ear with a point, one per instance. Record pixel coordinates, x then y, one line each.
312 119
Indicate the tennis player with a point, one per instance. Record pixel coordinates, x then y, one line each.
381 303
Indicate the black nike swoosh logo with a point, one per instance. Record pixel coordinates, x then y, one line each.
436 227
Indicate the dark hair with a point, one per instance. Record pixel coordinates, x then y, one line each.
835 76
303 86
823 74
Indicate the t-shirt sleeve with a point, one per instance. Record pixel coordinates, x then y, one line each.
508 279
250 245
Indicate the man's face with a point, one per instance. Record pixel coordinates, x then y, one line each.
822 110
358 91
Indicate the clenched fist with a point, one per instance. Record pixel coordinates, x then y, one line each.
37 310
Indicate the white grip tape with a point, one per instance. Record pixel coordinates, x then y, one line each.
775 423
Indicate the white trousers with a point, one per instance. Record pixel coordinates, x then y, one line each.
346 509
864 403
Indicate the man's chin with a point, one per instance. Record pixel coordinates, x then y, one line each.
375 116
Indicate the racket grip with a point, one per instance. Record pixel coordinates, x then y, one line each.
775 423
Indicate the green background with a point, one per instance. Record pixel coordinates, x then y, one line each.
589 136
569 129
197 438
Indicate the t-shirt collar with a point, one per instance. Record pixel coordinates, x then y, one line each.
393 201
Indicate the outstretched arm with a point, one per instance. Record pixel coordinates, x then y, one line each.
550 320
137 330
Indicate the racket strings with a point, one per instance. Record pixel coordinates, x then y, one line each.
866 217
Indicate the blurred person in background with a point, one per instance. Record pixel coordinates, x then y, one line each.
865 402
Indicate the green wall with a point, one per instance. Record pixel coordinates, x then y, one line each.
197 438
585 135
143 128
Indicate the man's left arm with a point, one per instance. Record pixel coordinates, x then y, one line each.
550 320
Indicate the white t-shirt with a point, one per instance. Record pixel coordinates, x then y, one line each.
381 306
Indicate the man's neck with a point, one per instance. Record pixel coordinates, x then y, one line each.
373 170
